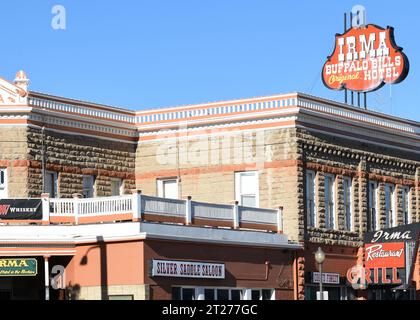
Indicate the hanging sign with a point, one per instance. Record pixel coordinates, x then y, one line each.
365 59
17 267
390 254
20 209
187 269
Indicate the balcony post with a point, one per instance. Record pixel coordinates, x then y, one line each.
47 277
136 205
188 211
236 222
280 220
76 197
45 202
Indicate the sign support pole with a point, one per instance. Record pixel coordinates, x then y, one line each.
345 29
47 278
365 98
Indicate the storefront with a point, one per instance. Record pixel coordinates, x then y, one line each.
338 259
205 271
145 260
334 287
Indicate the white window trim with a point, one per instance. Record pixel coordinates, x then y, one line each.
311 175
376 191
392 204
407 191
350 181
5 186
333 197
238 186
159 186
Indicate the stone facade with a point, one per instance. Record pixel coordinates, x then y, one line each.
209 174
13 155
360 162
284 156
70 156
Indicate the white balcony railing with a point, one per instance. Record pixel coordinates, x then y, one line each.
141 207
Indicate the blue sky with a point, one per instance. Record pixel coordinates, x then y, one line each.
145 54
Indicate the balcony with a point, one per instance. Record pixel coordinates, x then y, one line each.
139 207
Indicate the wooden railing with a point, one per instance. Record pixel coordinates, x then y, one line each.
138 207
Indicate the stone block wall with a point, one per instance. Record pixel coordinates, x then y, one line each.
282 157
362 163
13 155
206 168
73 156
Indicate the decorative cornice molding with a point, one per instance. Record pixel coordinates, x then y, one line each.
104 119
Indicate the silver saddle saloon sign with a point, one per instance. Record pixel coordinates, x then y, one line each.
365 58
390 255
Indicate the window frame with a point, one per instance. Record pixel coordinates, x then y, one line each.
391 219
160 190
238 194
406 200
4 188
372 201
311 176
332 201
120 188
246 293
93 177
55 183
348 203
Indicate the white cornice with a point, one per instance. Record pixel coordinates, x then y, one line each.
129 231
211 115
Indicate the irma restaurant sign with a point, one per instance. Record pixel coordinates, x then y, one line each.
390 254
18 267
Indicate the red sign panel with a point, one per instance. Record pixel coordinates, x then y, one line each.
364 59
385 255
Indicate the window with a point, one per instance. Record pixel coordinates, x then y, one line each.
310 199
116 187
236 295
88 186
209 294
264 294
188 294
246 188
2 178
168 188
176 293
222 294
3 183
406 205
200 293
51 184
390 212
329 201
372 213
347 197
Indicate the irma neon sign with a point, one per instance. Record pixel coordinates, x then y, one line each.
365 58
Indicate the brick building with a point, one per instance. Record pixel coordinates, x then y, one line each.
338 171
